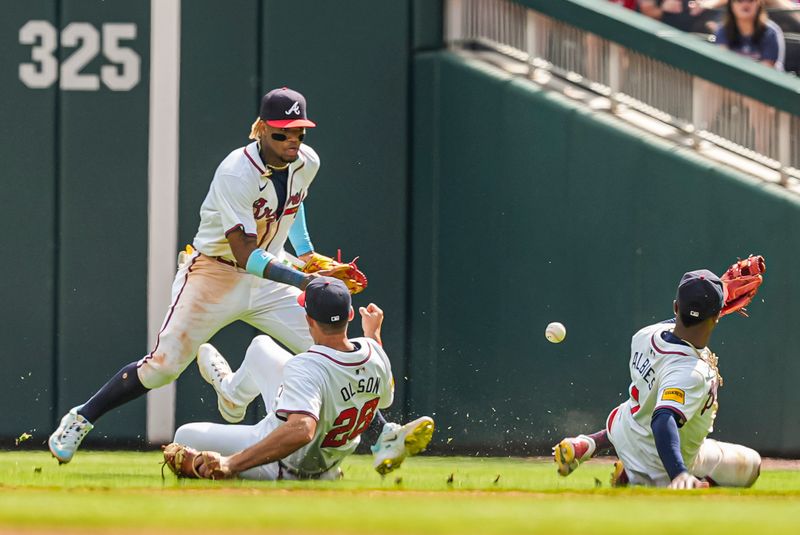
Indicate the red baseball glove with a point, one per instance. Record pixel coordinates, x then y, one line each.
741 282
348 273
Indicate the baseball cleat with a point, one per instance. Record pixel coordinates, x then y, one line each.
64 441
397 442
214 368
571 452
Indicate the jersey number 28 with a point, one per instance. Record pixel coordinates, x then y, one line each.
349 424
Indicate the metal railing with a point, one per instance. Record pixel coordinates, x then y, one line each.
705 111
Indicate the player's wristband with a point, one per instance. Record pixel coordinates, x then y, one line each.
257 262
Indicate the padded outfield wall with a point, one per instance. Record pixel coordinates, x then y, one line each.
588 222
528 209
74 187
357 94
75 176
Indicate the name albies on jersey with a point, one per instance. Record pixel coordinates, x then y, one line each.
667 372
342 391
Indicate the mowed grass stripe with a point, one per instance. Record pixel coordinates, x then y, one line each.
362 512
103 491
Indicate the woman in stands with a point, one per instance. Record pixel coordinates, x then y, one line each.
748 31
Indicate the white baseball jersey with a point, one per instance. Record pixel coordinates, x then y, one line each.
666 372
342 391
242 197
208 295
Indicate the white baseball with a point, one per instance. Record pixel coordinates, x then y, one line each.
555 332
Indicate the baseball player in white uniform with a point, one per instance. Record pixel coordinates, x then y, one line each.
236 270
320 401
660 433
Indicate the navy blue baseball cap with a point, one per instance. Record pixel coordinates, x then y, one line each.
285 108
700 294
326 300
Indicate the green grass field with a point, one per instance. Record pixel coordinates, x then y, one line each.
123 492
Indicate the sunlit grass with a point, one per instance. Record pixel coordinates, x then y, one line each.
125 491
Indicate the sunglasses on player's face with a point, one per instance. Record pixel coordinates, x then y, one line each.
278 136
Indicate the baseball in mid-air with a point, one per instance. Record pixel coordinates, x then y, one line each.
555 332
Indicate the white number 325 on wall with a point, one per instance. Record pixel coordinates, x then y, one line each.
121 75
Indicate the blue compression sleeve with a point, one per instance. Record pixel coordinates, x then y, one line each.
298 234
668 442
263 264
284 274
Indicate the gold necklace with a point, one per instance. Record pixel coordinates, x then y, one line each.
270 168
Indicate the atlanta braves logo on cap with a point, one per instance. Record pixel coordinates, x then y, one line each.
281 103
294 109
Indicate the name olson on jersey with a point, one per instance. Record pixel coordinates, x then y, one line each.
641 364
368 384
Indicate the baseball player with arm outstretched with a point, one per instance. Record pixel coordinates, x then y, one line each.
320 401
235 270
660 434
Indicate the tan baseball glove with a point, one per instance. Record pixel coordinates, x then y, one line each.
188 462
348 273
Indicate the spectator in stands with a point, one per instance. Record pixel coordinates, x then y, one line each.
771 4
747 30
630 4
686 15
786 13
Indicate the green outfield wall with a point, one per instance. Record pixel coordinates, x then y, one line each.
30 216
482 209
528 209
75 179
74 142
352 64
220 110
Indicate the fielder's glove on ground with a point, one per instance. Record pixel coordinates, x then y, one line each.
188 462
348 273
741 283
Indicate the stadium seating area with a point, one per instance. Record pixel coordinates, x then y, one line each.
787 19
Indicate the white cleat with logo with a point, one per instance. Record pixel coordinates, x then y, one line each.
65 440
